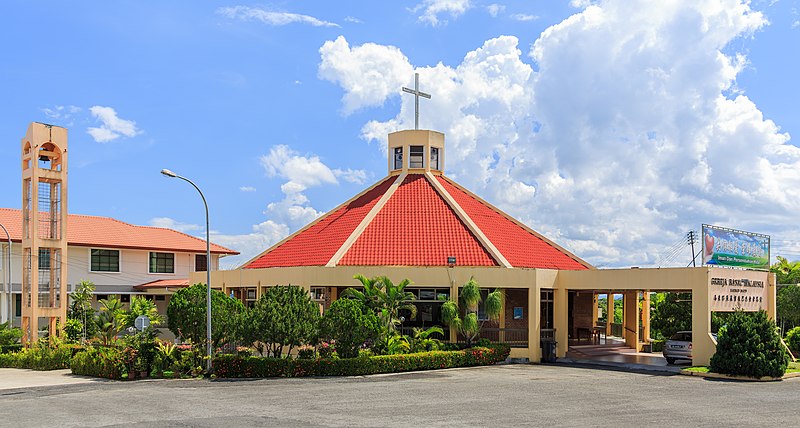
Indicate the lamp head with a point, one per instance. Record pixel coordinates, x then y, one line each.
168 173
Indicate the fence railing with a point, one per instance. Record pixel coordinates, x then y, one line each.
514 337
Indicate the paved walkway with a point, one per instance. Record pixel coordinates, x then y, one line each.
23 378
618 355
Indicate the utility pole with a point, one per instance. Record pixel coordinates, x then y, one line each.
691 238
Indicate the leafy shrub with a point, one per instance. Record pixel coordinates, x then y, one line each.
9 335
793 340
305 352
232 366
284 317
40 358
750 346
104 361
186 315
349 324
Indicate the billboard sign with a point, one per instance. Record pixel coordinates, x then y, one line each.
728 247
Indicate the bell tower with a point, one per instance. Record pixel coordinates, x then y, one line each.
44 230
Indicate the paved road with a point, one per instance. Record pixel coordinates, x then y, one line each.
487 396
21 378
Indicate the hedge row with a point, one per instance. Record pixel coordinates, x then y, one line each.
107 362
40 358
234 366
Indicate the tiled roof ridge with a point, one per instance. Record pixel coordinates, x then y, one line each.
319 219
518 223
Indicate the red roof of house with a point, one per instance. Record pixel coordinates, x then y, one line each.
415 223
105 232
163 283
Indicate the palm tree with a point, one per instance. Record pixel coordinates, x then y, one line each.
370 295
470 297
394 298
110 320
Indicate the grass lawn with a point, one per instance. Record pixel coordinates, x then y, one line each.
794 367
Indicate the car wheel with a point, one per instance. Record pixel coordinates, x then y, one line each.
670 361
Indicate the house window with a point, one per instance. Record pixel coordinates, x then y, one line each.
200 263
18 305
398 158
105 260
318 293
162 262
435 158
416 157
44 258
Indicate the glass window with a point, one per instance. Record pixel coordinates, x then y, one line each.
44 258
200 263
398 158
104 261
416 157
435 158
162 262
18 305
318 293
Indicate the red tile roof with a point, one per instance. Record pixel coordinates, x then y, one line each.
163 283
416 227
92 231
319 241
519 246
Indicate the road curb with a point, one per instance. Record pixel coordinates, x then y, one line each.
710 375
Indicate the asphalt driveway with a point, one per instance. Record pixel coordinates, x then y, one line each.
508 395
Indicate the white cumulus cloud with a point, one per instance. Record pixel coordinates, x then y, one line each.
494 9
169 223
247 13
431 9
111 126
621 129
372 72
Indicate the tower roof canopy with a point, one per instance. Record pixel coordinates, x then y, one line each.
417 219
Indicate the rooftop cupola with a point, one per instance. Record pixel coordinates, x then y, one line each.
416 151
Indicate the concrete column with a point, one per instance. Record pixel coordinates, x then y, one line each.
610 315
594 309
630 319
501 336
453 297
646 316
703 346
561 320
772 293
534 324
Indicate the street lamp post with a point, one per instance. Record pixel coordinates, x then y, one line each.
8 273
171 174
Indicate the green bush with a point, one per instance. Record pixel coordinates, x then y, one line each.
349 324
233 366
749 345
793 340
9 335
103 361
40 358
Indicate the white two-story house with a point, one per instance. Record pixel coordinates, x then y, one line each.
118 257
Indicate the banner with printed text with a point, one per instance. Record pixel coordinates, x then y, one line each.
728 247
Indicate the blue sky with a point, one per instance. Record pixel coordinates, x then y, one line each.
612 126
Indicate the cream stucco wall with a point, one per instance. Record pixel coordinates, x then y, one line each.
632 281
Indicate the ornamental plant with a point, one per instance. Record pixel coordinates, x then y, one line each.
793 340
186 315
349 325
283 318
463 315
749 345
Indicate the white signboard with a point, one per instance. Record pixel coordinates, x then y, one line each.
733 289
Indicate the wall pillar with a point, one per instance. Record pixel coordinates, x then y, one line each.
610 315
501 335
703 346
772 297
630 318
453 297
646 316
561 320
534 325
